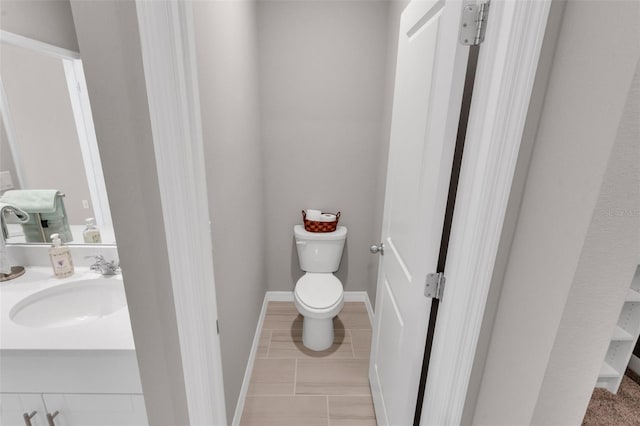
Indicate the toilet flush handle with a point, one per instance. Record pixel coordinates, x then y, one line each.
301 243
377 249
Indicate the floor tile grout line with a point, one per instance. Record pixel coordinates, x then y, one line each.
283 395
295 377
309 395
269 345
298 356
328 416
353 349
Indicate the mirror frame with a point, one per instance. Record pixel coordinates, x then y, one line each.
81 106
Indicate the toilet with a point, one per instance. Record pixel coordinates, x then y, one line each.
318 294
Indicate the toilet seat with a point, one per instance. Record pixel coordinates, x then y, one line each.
319 291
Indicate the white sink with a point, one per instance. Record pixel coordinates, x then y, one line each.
70 304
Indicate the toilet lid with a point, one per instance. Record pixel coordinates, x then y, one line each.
319 291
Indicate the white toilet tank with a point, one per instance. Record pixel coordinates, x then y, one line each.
319 251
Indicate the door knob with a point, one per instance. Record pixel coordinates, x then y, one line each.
377 249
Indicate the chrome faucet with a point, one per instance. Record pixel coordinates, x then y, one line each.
105 267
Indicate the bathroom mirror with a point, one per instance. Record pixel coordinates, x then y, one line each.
47 135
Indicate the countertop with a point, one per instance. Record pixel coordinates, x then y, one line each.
112 332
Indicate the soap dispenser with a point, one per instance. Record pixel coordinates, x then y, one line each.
91 233
60 258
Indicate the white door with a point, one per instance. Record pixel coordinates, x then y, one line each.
427 99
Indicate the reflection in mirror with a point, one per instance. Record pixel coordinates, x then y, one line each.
48 142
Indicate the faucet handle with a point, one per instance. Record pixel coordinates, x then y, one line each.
97 257
111 268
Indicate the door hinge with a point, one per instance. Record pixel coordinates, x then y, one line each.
434 285
474 23
217 326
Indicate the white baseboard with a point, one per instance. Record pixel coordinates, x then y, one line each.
349 296
282 296
360 296
252 357
634 364
279 296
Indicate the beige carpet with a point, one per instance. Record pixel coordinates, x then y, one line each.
621 409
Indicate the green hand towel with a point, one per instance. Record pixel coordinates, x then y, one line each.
47 213
22 216
32 200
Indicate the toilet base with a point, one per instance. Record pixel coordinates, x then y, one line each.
317 334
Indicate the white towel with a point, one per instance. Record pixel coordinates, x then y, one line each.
5 262
327 217
22 216
313 214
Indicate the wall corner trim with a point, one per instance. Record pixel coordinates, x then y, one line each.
252 355
167 42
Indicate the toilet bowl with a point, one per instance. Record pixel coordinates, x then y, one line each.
318 294
318 297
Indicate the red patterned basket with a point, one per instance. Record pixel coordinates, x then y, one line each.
313 226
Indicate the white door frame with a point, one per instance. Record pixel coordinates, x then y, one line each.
504 80
168 54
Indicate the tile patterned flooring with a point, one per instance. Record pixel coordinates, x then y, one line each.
292 385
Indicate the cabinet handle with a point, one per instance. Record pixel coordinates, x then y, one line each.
50 418
27 417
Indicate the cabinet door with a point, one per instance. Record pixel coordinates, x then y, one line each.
13 407
96 409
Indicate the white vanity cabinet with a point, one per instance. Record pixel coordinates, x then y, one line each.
96 409
84 374
85 388
72 410
14 406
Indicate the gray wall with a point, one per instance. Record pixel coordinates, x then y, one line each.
322 84
6 160
606 267
49 21
556 310
110 47
37 93
225 33
327 74
275 78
